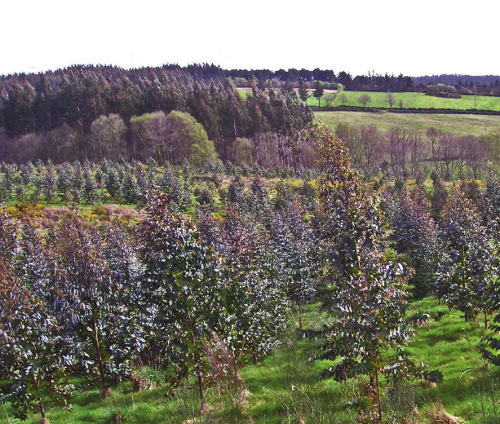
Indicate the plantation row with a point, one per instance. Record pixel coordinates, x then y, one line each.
110 299
395 154
127 183
103 299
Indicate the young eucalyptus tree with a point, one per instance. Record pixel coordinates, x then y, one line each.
416 235
364 288
183 286
255 299
90 304
34 353
467 275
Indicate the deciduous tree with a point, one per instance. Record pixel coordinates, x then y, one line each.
364 99
318 91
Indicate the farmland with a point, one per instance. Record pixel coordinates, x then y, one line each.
409 100
456 124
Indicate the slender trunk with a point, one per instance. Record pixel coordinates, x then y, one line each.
99 357
203 404
255 359
237 377
486 319
378 397
197 364
42 411
39 401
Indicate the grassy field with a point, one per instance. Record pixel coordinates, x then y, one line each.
456 124
411 100
286 388
402 100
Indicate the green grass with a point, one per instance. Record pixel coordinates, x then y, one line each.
457 124
286 388
452 346
462 124
413 100
404 100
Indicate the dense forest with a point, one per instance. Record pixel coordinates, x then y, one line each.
94 112
195 113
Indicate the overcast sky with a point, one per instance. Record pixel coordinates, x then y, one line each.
356 36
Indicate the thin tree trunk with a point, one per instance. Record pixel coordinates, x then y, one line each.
99 359
203 404
197 364
43 419
42 412
378 397
237 377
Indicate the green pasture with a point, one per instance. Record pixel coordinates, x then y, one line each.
402 101
408 100
456 124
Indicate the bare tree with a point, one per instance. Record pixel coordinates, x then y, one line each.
473 154
418 152
397 147
389 98
364 99
107 137
447 162
158 137
370 156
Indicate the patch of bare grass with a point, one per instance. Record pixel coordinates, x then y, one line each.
438 415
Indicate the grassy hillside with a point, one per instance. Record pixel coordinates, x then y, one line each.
456 124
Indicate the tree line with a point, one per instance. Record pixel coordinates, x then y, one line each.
464 84
87 112
401 154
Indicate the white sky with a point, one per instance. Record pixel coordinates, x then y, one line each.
356 36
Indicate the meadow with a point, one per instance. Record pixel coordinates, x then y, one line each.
407 100
463 124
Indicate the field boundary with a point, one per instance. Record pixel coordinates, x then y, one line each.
405 110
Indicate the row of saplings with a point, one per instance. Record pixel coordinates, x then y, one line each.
101 301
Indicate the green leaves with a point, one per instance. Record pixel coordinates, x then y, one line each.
466 277
365 287
33 352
